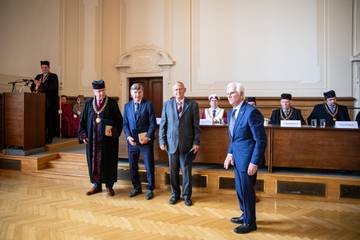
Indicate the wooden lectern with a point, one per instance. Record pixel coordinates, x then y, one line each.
24 120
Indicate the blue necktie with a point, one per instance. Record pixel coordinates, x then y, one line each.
214 112
232 121
136 107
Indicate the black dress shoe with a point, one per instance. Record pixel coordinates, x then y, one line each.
188 201
173 199
110 192
238 220
93 190
245 228
134 192
149 195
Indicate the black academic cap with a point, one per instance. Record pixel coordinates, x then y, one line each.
45 63
329 94
251 99
98 84
286 96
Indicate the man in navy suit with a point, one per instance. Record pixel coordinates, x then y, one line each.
246 151
139 127
179 135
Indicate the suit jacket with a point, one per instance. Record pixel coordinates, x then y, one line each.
295 115
248 142
320 112
143 121
179 132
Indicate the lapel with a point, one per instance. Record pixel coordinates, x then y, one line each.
174 108
186 106
240 116
132 110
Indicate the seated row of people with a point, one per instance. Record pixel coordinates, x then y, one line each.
330 110
70 116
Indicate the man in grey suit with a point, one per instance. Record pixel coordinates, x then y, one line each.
179 135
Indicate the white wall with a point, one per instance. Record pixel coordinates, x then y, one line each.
29 33
303 47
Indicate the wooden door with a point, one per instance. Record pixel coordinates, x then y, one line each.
153 91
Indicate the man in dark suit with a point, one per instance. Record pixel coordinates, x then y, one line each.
48 83
330 110
139 128
286 112
246 151
179 135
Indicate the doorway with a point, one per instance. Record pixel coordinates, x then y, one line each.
153 91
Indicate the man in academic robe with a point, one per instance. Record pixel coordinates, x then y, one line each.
179 135
139 128
251 101
100 128
286 112
246 151
330 110
48 83
358 119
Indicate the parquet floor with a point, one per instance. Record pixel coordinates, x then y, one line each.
39 208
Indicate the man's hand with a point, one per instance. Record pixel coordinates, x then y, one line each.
131 141
195 148
228 160
252 169
86 140
37 82
163 147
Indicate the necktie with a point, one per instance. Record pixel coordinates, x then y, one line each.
333 107
99 104
232 121
286 112
179 108
136 107
214 112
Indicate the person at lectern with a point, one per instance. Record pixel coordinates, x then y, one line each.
100 128
48 83
139 129
246 152
179 135
286 111
330 110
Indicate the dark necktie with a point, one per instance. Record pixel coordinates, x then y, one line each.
232 121
179 108
214 112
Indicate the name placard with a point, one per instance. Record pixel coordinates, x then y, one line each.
346 124
290 123
205 122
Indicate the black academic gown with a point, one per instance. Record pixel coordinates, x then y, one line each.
295 114
358 119
320 111
50 87
101 151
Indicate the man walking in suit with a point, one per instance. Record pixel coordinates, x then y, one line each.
246 151
179 135
139 127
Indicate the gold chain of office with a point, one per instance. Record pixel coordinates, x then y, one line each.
98 119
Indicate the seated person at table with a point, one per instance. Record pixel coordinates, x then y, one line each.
78 106
330 110
214 112
69 124
358 119
286 112
251 101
